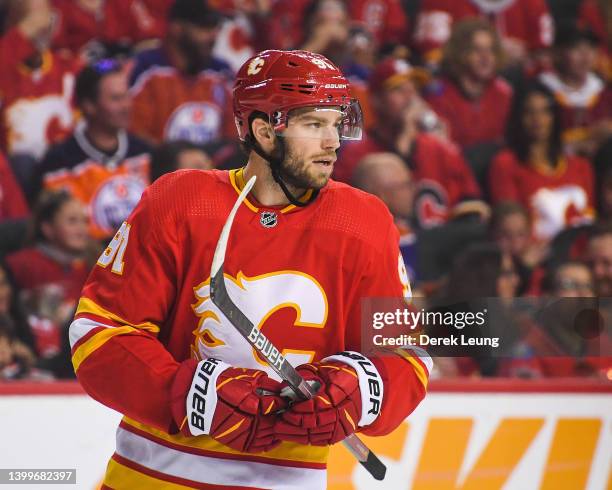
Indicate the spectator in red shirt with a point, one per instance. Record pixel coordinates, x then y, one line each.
445 185
50 274
471 98
585 99
526 26
556 188
60 246
36 83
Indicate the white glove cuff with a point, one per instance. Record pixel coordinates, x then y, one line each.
370 384
202 397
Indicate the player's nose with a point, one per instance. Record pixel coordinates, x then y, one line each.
331 139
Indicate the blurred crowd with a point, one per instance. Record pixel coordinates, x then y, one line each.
488 134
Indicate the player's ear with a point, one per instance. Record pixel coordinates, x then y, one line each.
263 133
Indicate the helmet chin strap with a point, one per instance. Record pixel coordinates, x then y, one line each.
275 167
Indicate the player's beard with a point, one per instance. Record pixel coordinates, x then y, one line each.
298 173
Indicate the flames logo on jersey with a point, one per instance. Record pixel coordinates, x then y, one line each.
259 298
430 204
557 208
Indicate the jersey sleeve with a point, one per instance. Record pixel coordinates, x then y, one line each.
116 353
405 371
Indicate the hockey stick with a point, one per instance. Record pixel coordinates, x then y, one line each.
266 349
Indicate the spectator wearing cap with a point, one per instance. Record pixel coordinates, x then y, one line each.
472 99
36 82
557 188
526 26
405 125
180 90
101 164
585 99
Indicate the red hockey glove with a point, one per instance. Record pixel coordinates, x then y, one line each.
350 396
235 406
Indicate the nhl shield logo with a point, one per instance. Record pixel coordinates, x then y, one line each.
268 219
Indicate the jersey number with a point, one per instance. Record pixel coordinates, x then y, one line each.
115 250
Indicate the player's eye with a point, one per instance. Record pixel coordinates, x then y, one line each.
315 125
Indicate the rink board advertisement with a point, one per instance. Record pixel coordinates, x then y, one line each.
465 435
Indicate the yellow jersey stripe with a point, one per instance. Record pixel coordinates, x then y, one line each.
86 305
97 341
237 180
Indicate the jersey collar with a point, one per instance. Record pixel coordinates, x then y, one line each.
236 178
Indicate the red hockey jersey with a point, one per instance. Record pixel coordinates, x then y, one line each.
581 107
297 273
35 105
472 121
525 20
555 198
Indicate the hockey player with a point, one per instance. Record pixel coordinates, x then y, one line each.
202 409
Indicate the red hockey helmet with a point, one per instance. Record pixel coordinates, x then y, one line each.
275 82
